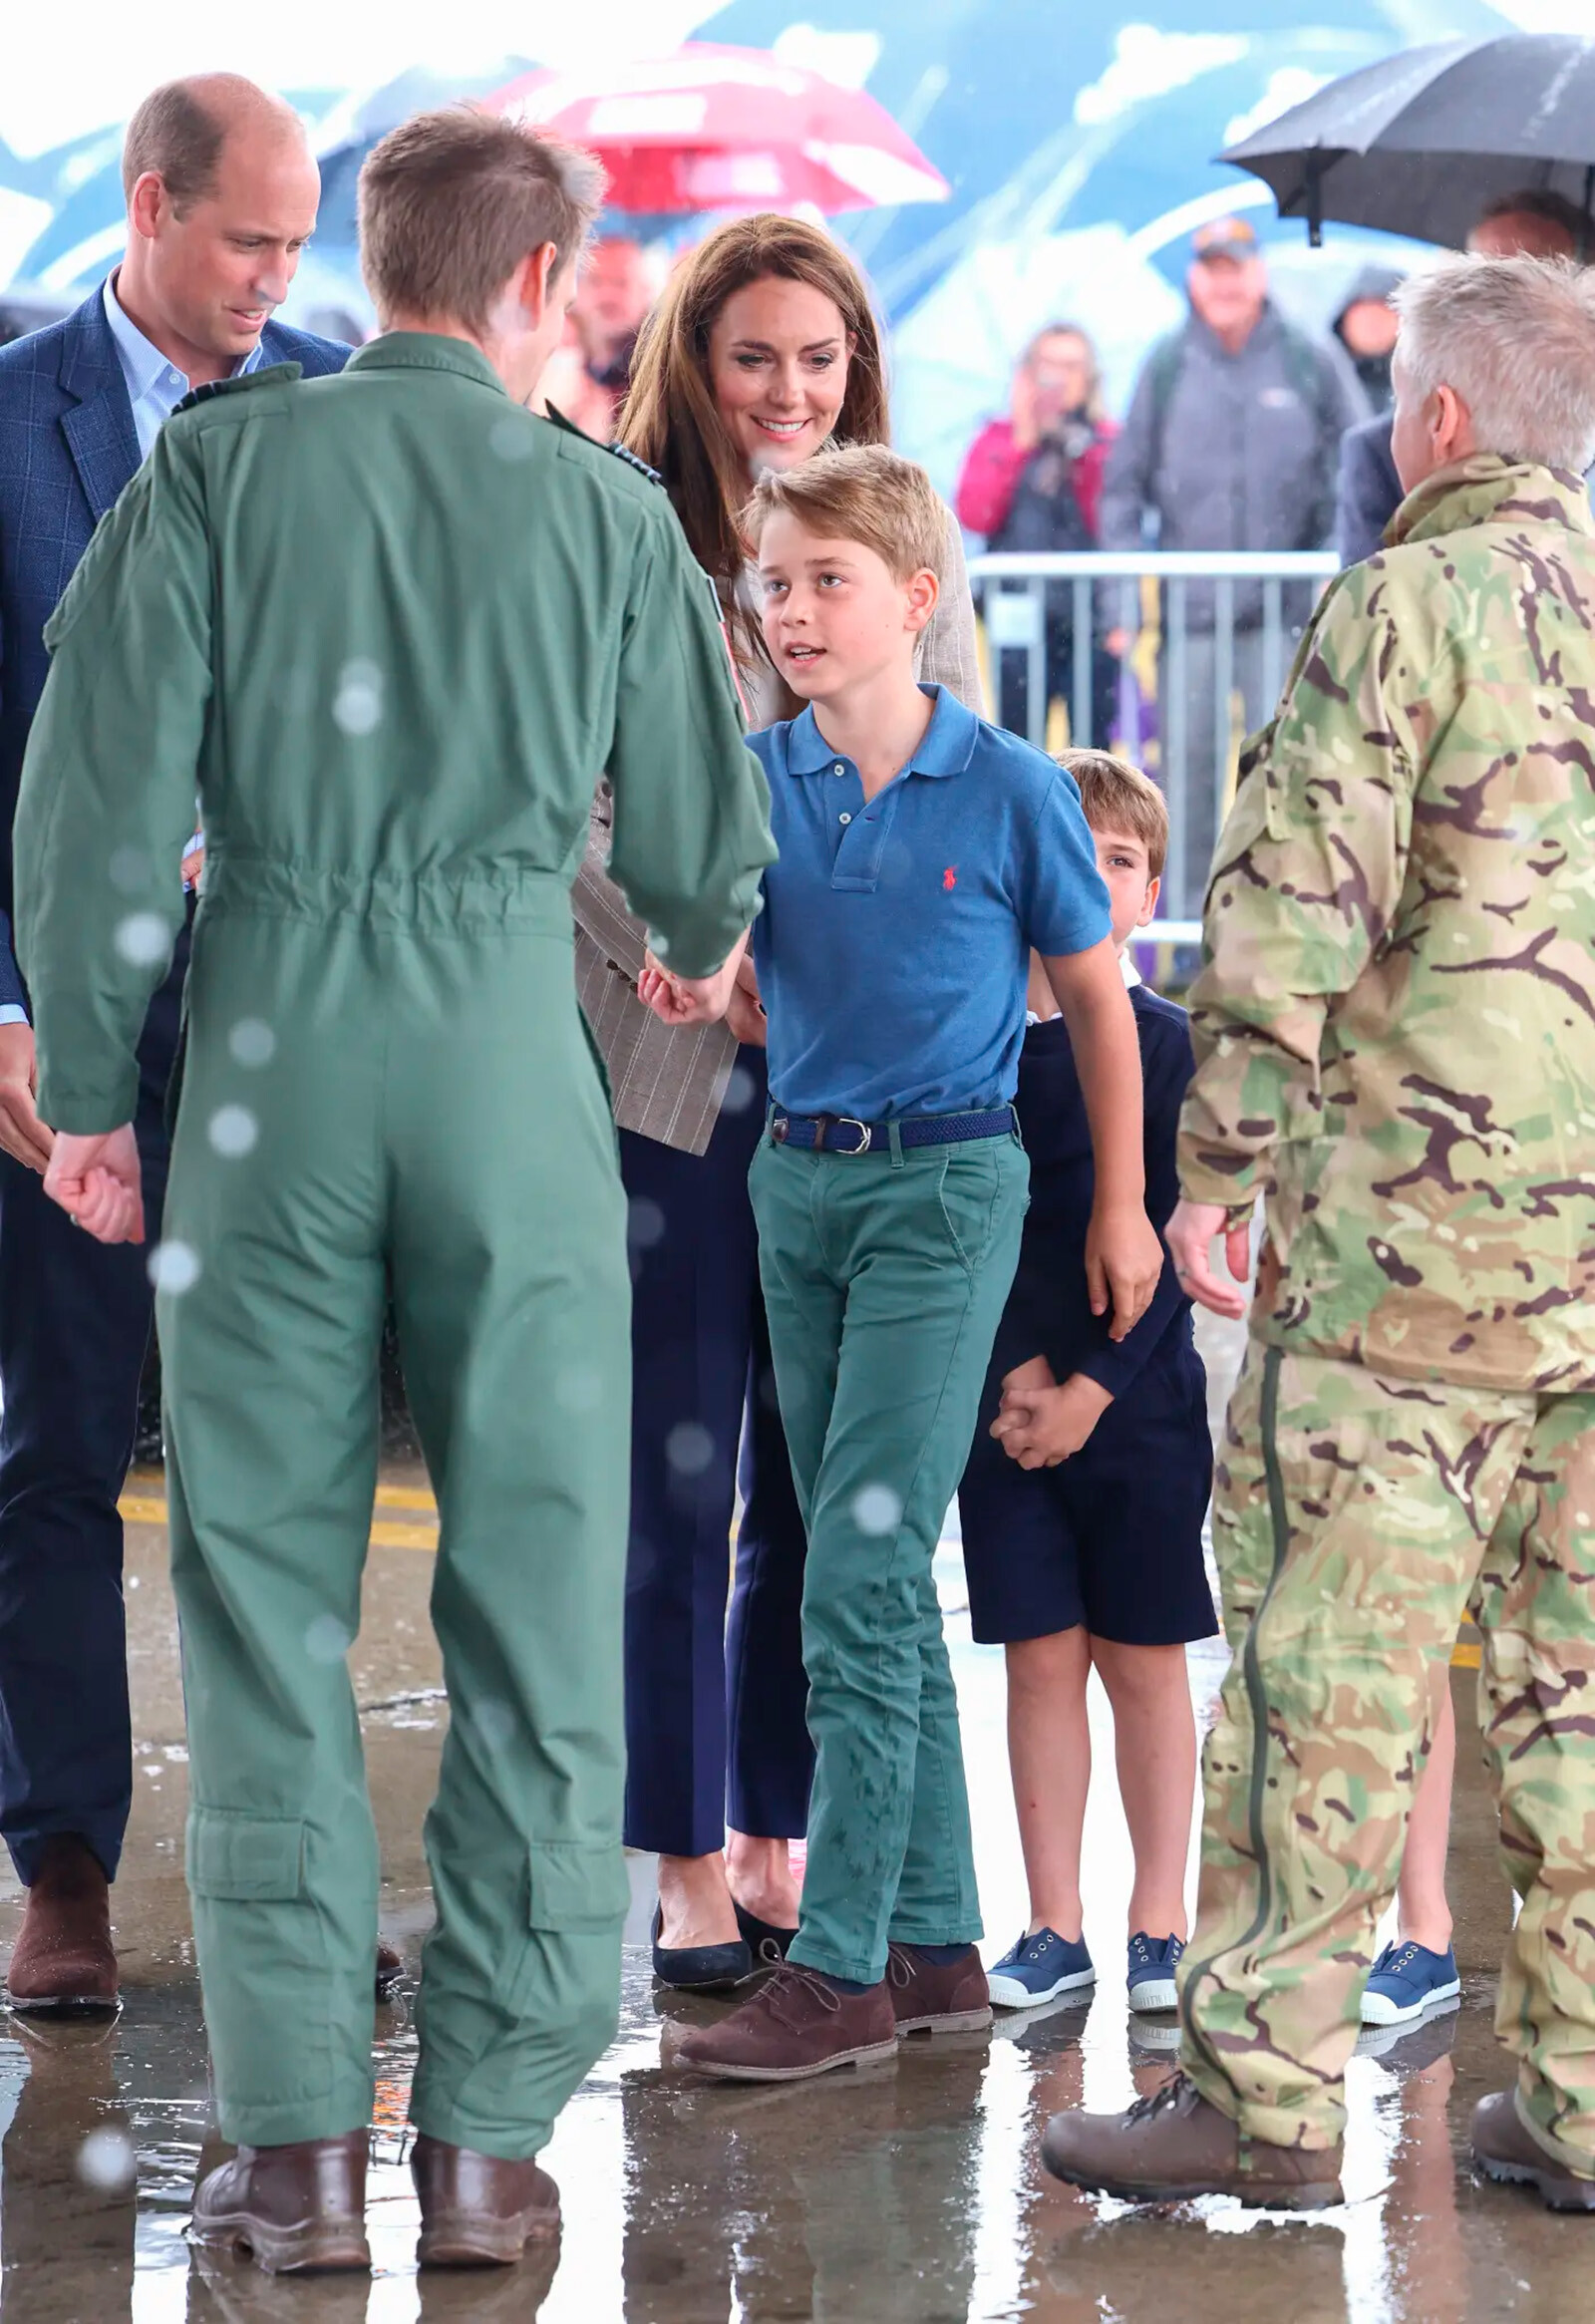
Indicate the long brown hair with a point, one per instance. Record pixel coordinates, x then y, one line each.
670 419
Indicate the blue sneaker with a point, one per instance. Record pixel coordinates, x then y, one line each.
1408 1979
1153 1962
1037 1968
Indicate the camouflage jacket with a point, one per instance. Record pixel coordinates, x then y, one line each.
1395 1020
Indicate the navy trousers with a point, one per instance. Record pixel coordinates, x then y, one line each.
715 1709
74 1328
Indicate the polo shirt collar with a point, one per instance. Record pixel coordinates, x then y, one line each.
945 748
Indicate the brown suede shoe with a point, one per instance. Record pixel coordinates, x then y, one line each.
937 1997
477 2211
292 2208
1174 2145
390 1968
796 2025
1505 2148
63 1960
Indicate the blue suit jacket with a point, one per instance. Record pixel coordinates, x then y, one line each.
1369 491
67 447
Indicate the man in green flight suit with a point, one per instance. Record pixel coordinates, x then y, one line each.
1395 1032
391 634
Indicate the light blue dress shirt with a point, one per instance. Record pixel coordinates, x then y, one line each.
154 387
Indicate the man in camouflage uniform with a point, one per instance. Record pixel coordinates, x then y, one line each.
1394 1029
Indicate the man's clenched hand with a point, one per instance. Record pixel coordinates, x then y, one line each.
99 1183
22 1133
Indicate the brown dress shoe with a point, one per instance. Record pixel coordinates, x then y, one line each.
1505 2148
292 2208
477 2210
937 1997
1174 2146
63 1960
390 1967
794 2026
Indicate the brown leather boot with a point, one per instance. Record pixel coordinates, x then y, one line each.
63 1960
390 1968
292 2208
1505 2148
937 1997
794 2026
1174 2146
477 2210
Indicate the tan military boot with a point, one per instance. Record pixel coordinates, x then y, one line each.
1174 2146
1505 2148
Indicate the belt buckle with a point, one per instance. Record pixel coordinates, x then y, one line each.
847 1121
780 1130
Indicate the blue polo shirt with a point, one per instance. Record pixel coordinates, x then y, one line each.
894 938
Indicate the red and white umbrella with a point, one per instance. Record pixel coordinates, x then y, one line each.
717 127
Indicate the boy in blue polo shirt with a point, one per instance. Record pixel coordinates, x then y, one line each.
923 854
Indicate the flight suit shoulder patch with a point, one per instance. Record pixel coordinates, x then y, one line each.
271 375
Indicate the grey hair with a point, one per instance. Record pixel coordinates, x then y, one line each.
1515 340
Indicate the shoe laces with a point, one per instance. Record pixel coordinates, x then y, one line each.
789 1981
1165 2098
899 1968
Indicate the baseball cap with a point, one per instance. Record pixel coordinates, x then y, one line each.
1225 238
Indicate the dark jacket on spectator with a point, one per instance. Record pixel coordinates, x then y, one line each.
1232 452
1369 492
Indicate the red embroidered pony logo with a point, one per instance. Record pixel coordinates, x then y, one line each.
949 877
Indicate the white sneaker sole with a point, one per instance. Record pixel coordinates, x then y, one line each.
1154 1993
1008 1993
1379 2010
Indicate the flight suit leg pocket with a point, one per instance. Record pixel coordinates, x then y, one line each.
578 1896
265 1959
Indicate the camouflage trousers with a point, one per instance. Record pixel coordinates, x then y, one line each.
1357 1518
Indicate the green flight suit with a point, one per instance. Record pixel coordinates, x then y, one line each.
391 627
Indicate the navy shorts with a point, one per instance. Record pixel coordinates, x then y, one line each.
1111 1538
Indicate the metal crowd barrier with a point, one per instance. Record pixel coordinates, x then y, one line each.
1187 690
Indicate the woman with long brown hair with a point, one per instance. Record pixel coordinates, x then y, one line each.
761 351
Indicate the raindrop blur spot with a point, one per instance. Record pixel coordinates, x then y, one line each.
511 439
326 1639
106 2159
174 1267
252 1041
357 705
645 1223
144 939
234 1131
688 1449
130 871
579 1389
741 1091
876 1510
495 1724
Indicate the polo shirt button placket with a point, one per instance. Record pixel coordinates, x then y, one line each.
844 819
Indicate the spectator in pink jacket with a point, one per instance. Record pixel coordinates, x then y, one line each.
1032 483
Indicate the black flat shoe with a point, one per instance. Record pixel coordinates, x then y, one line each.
768 1944
700 1968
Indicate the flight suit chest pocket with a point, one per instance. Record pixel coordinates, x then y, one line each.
242 1859
573 1886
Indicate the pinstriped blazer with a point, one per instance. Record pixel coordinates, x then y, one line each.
667 1084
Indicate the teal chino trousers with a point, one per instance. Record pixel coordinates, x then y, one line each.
398 1096
884 1278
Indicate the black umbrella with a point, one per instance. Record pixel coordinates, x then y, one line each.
1424 143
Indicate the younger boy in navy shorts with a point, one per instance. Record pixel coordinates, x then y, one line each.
1084 1497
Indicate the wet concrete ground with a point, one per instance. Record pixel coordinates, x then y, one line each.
911 2195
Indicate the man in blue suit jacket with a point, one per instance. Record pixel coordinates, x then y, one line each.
221 197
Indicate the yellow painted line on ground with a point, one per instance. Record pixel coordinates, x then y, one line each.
139 1508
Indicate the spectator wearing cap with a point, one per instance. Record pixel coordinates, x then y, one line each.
1535 224
1230 443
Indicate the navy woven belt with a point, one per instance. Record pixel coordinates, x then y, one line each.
841 1134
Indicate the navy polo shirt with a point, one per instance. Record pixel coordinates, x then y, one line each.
894 937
